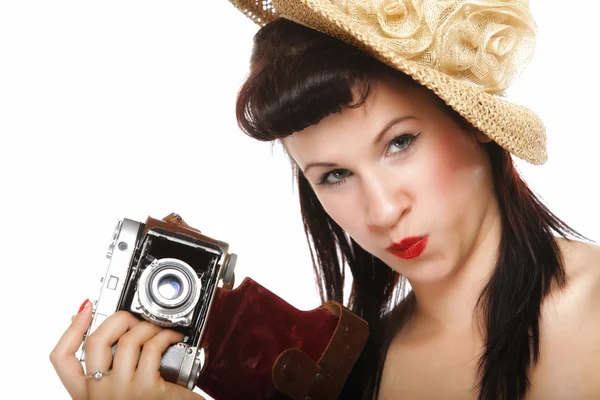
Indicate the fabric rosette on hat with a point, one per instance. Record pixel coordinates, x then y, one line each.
401 23
466 52
485 42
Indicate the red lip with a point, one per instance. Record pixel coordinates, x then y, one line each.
410 247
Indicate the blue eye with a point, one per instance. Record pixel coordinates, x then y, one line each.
398 145
401 143
334 177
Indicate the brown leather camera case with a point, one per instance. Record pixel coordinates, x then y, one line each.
258 346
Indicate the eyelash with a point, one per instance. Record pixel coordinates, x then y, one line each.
412 138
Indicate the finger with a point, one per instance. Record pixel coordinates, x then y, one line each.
67 366
129 349
71 339
173 391
152 351
98 348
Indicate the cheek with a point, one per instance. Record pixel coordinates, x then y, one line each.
346 212
454 179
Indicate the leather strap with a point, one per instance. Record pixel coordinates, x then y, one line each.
296 375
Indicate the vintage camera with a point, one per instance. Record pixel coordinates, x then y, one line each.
167 273
238 343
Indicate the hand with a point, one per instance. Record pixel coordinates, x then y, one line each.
137 340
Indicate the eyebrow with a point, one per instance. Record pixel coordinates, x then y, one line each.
377 139
389 125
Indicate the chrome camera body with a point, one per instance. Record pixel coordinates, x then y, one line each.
168 275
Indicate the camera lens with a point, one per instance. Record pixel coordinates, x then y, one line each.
169 287
168 291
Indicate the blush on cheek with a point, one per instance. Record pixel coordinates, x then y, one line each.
455 172
443 172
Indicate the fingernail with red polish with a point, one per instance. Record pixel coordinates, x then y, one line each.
83 305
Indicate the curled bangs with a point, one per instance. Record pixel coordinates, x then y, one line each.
299 76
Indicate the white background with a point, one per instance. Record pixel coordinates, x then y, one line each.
114 109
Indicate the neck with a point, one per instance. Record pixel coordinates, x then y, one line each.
449 305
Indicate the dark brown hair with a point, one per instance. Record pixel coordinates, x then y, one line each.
299 76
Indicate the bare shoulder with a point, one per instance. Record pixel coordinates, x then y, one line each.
570 329
580 300
582 265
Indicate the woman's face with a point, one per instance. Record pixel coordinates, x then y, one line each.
402 179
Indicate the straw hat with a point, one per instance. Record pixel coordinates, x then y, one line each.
466 51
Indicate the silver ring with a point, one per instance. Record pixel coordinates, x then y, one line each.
97 375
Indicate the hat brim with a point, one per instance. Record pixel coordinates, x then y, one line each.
516 128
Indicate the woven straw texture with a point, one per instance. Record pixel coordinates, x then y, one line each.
466 52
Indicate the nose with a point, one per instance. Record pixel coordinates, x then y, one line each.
385 202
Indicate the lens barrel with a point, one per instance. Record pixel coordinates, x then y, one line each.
168 291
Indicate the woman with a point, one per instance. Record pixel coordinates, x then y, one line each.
402 157
405 188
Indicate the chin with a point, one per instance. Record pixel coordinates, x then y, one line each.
423 271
